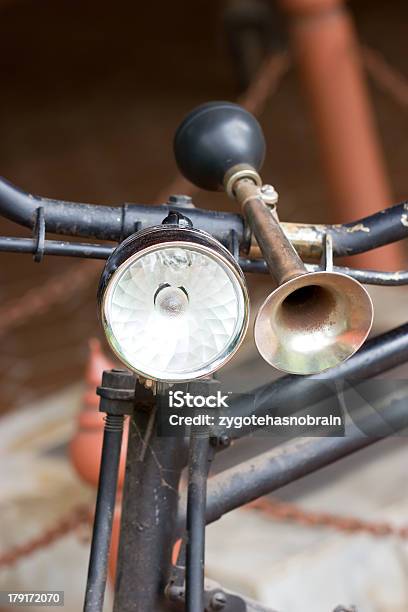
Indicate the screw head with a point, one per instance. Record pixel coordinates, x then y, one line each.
218 601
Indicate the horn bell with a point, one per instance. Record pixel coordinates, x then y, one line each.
313 322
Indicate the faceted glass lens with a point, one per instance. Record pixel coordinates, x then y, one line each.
175 313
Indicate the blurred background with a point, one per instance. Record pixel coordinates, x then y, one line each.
91 95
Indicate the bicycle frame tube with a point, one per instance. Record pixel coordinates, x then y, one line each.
286 463
149 510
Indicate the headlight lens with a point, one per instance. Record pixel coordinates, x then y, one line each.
177 310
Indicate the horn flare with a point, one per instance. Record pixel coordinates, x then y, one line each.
313 322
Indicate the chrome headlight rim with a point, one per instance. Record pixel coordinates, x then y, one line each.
158 238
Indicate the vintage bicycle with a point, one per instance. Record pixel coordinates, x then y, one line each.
174 307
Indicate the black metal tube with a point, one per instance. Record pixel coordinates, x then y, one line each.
104 511
17 205
383 227
56 247
196 509
117 222
378 355
292 460
374 277
149 511
109 222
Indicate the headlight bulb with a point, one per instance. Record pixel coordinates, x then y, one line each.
171 301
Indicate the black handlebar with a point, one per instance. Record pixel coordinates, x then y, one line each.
117 222
107 222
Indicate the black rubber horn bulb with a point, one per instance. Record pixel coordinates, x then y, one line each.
213 138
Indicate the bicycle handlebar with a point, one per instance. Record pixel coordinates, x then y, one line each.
106 222
117 222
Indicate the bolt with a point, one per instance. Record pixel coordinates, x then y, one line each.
221 441
267 189
269 194
218 601
182 201
224 440
174 593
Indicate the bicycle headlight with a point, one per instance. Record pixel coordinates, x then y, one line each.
173 303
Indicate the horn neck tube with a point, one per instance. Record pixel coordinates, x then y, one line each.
282 260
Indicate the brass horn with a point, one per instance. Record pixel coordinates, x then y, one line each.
313 320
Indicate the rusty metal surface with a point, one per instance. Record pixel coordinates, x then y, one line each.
306 238
283 261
